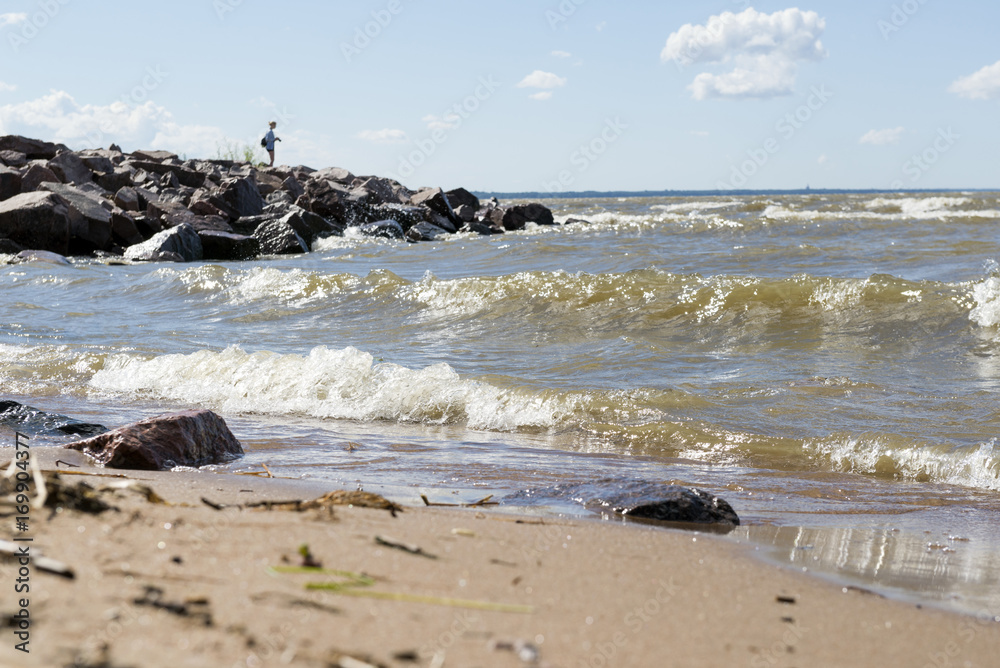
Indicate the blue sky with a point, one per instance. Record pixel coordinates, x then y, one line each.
548 95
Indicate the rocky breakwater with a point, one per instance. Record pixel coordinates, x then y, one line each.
154 206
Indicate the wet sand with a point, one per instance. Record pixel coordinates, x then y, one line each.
184 583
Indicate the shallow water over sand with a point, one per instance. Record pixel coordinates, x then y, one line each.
827 363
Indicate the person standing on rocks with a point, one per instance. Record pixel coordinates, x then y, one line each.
269 138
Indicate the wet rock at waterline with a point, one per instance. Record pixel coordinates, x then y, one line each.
188 438
635 499
34 422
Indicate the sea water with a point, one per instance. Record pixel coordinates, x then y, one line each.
828 363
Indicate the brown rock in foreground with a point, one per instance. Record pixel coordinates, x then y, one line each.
188 438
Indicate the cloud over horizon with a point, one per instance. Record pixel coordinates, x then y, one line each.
762 52
385 136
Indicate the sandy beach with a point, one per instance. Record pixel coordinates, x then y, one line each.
194 576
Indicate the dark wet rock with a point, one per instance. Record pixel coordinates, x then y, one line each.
188 438
462 197
424 231
482 227
435 200
124 229
516 217
636 499
466 213
38 221
36 176
228 246
70 168
34 149
444 222
13 158
325 198
387 229
576 221
10 182
180 242
278 237
34 422
9 247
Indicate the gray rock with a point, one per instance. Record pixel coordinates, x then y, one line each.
435 200
188 438
115 180
90 222
127 199
186 177
36 176
182 240
39 423
45 257
238 198
97 163
70 168
124 230
37 221
13 158
332 174
483 227
155 156
425 231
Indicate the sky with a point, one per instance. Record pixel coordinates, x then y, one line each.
550 95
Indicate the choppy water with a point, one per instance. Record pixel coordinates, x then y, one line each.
829 362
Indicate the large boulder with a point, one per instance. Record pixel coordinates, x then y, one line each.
36 176
516 217
462 197
90 222
10 182
331 174
180 244
13 158
127 198
325 198
34 149
37 221
114 180
155 156
278 237
70 168
435 200
124 230
188 438
239 197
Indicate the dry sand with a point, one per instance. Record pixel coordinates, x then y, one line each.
183 584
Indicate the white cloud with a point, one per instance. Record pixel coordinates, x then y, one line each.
540 79
60 118
983 85
601 26
883 137
823 159
386 136
763 51
7 88
542 96
12 19
562 54
446 122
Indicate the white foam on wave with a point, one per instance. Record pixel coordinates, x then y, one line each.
976 467
293 287
986 295
338 384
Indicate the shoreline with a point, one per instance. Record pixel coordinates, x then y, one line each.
192 585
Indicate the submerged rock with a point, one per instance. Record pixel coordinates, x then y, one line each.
638 499
188 438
